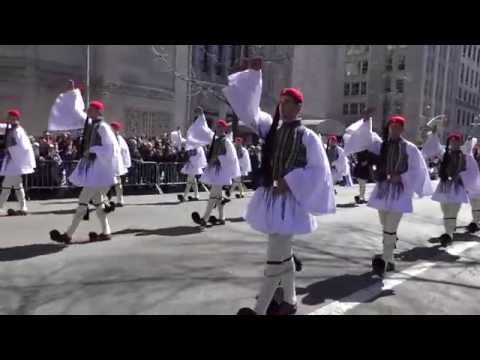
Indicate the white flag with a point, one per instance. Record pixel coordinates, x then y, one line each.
177 139
67 112
199 133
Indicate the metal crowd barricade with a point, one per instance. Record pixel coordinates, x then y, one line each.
50 174
143 173
170 173
53 175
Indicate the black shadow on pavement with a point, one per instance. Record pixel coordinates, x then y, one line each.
171 231
338 287
54 212
235 220
436 253
60 202
349 205
158 204
457 237
29 251
165 203
465 237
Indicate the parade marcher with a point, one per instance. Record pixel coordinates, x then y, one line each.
19 160
362 172
339 166
296 183
221 169
117 127
401 172
473 227
459 177
198 135
96 172
245 167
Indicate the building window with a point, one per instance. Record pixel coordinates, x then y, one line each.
464 50
205 60
401 63
234 54
398 107
465 96
388 86
400 86
363 88
462 71
351 69
460 93
353 109
362 108
458 116
346 89
389 62
466 76
219 66
469 51
364 67
345 109
355 88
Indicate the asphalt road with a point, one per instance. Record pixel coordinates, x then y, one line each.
159 263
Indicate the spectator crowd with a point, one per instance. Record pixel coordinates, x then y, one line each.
56 156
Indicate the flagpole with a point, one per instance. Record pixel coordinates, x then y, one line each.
88 74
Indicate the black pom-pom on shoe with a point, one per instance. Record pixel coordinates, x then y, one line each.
110 207
445 240
378 266
198 220
298 264
60 238
11 212
472 228
246 311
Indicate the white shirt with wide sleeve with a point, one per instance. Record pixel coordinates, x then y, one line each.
311 193
229 168
195 164
104 170
20 159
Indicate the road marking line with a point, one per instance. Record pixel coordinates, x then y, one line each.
340 307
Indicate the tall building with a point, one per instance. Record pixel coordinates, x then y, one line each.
137 88
467 93
420 81
315 70
212 64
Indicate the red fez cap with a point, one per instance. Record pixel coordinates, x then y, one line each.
397 119
223 124
455 136
14 112
116 125
97 104
294 93
332 138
